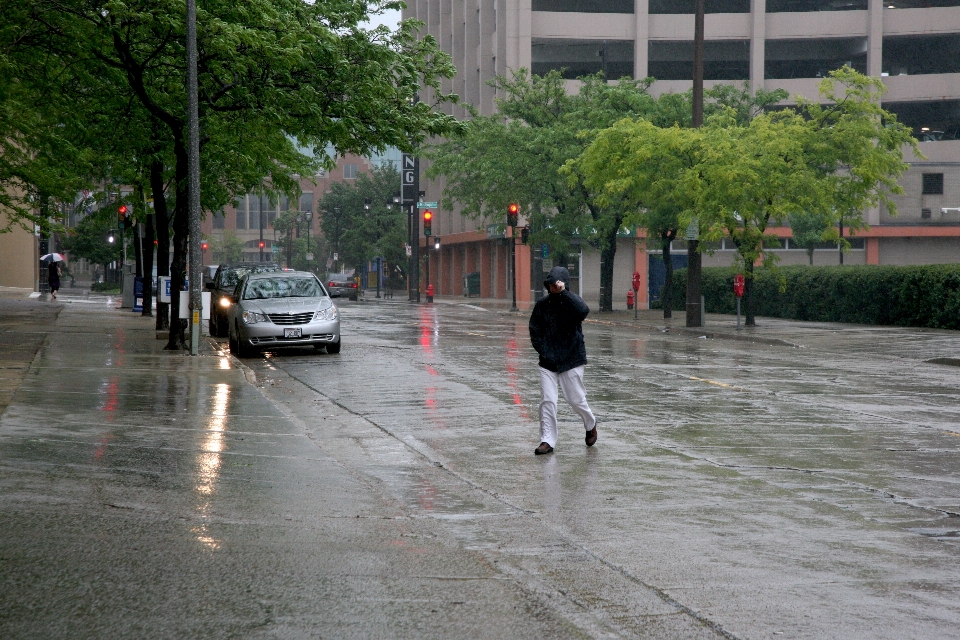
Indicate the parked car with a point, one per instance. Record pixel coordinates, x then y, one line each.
342 285
285 309
223 286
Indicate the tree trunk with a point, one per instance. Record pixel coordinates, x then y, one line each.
748 295
607 256
148 266
163 237
178 268
666 296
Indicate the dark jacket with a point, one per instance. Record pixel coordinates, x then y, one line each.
555 326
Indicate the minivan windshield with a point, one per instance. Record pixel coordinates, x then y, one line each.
282 287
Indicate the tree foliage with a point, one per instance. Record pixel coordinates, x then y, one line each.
739 179
360 234
284 86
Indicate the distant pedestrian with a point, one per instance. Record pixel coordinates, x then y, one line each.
53 278
557 334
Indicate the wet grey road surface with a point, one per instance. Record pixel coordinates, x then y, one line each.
738 489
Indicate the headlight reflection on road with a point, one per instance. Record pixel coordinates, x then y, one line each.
208 462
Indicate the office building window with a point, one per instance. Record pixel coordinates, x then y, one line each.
241 205
219 218
578 58
306 202
799 6
931 120
584 6
709 6
813 58
933 184
253 205
722 59
916 55
350 171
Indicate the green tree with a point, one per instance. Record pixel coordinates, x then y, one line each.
359 233
739 179
810 229
281 82
89 239
516 156
226 247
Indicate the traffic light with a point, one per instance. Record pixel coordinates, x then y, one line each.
525 234
111 238
261 245
428 222
513 211
204 246
121 216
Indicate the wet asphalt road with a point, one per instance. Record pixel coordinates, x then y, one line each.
737 489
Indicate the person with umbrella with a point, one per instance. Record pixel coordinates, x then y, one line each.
53 272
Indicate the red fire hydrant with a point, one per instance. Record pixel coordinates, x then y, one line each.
429 293
630 299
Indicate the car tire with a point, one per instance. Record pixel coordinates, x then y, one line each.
333 347
243 350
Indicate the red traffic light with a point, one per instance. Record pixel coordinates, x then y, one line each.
428 215
122 209
512 213
427 222
204 246
514 208
261 244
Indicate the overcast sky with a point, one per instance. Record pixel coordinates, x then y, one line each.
389 18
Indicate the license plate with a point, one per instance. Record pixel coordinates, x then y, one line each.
291 333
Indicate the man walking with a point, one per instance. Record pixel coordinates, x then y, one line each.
557 335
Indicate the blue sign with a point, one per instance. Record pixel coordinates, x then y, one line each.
138 295
544 251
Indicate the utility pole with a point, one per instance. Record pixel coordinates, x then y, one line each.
694 268
193 175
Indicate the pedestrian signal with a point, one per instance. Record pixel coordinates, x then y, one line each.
525 234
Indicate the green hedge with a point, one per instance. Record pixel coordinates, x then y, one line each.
916 296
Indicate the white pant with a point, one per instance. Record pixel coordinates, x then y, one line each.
571 383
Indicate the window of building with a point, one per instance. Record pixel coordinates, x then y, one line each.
709 6
932 184
219 219
813 58
931 120
919 4
241 205
578 58
584 6
722 59
350 171
915 55
780 6
306 202
253 205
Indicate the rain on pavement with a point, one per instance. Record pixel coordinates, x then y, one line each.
738 489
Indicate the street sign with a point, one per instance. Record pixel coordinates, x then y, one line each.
426 205
408 179
544 251
336 256
309 257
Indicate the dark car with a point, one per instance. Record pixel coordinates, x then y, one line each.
222 287
341 285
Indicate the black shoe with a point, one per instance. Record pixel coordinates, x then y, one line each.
591 436
543 448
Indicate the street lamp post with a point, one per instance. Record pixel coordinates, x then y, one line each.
366 212
308 216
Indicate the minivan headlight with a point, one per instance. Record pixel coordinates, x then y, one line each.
328 313
252 317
